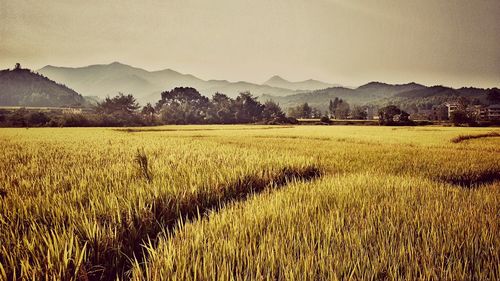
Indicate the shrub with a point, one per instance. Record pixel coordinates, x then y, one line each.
292 120
325 120
38 119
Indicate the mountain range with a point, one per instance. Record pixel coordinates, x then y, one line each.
146 86
22 87
307 85
407 96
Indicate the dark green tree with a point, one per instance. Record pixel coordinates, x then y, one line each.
404 117
183 105
460 117
325 120
359 113
221 110
493 96
301 111
120 110
19 118
272 113
332 107
149 113
121 104
306 111
386 114
247 108
342 110
38 119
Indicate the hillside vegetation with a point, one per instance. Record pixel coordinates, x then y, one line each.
407 96
21 87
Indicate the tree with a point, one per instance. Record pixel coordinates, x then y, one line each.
149 112
359 113
440 112
17 66
342 110
333 106
295 112
19 118
386 114
38 119
306 111
120 110
183 105
301 111
79 120
122 104
315 113
272 113
462 103
325 120
247 108
221 109
338 108
3 116
493 96
404 117
459 117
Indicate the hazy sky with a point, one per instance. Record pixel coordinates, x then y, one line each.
450 42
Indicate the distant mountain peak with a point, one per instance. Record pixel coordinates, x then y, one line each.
376 84
117 64
310 84
275 78
114 64
372 84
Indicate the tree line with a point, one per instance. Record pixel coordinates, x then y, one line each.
185 105
181 105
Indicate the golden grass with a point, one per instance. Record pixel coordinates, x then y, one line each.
88 203
355 226
477 136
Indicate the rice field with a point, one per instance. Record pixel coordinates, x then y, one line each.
239 202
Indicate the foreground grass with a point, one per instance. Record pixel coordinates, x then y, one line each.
356 226
79 204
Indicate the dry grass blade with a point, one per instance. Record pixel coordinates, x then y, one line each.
142 160
462 138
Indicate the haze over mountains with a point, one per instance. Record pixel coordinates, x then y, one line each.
307 85
108 80
20 87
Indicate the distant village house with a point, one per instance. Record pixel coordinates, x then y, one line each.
444 112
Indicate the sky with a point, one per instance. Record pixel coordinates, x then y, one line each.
349 42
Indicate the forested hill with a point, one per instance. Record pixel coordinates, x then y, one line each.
406 96
21 87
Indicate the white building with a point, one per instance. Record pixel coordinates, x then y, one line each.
452 107
494 112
